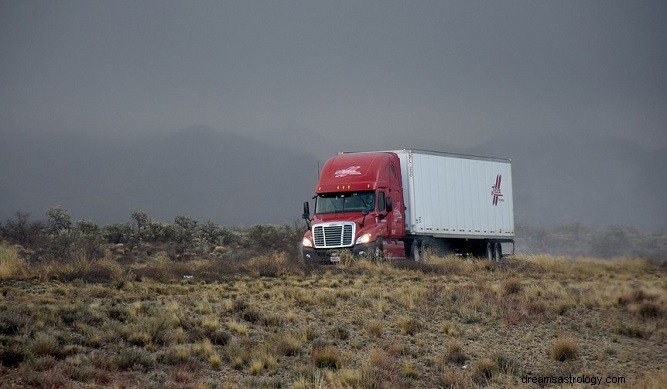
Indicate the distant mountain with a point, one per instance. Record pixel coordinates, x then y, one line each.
234 180
197 172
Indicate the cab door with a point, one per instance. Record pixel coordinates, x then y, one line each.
395 219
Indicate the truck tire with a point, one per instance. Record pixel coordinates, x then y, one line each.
416 250
497 252
489 251
378 252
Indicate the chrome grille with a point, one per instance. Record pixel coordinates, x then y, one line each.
333 235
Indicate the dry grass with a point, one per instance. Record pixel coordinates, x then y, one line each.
11 264
265 322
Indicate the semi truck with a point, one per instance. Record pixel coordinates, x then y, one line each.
403 203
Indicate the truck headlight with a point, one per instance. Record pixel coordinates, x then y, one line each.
365 238
306 242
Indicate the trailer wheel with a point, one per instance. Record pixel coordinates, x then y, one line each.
416 250
489 251
497 252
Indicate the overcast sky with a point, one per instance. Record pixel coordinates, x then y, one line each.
331 72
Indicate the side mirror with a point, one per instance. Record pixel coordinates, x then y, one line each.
306 211
388 204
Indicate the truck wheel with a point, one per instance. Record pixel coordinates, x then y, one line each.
416 251
489 251
378 253
497 252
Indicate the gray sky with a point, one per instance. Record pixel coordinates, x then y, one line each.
337 73
93 95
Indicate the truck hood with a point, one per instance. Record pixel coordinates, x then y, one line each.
356 218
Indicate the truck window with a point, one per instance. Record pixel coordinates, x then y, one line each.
381 202
345 202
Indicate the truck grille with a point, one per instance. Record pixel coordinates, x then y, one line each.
333 235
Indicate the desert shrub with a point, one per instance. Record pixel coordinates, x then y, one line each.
88 238
21 231
133 358
214 234
140 218
59 220
117 233
267 238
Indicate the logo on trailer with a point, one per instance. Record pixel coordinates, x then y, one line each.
350 171
495 190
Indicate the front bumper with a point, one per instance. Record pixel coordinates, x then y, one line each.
310 254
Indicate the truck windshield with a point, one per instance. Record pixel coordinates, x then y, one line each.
345 202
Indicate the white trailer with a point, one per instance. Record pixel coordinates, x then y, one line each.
463 202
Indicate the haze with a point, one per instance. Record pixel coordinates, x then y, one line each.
221 109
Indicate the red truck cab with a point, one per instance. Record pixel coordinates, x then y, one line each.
359 206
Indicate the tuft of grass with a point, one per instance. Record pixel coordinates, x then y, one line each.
11 323
511 286
636 296
484 370
210 323
506 364
215 361
409 370
536 308
454 354
564 349
326 358
45 344
237 327
219 337
455 379
647 309
374 328
288 345
252 315
632 331
409 325
450 328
